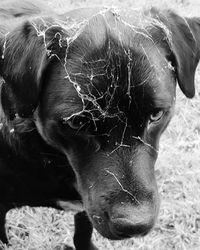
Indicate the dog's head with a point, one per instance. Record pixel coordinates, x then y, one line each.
102 92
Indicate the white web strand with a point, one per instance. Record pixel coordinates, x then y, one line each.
123 189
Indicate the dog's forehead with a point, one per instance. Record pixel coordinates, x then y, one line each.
115 61
94 24
130 38
114 76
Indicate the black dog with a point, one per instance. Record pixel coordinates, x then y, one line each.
85 98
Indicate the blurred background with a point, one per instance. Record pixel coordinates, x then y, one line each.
177 171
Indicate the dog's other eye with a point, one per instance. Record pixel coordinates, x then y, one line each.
156 115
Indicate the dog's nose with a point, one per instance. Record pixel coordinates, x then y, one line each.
127 221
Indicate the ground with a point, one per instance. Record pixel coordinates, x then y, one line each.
177 171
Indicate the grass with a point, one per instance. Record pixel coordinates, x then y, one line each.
177 171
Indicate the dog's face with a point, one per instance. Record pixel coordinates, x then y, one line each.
109 126
103 98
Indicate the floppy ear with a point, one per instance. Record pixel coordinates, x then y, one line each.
26 53
184 40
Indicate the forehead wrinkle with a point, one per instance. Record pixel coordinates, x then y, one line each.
162 84
162 98
162 102
160 93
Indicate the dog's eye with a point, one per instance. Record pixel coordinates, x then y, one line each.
156 115
77 122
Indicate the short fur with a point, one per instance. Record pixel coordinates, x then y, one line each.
85 98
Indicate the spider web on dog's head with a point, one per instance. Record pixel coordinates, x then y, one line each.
102 63
98 60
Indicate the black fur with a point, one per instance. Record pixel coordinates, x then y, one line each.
83 110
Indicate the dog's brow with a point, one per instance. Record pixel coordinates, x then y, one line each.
163 103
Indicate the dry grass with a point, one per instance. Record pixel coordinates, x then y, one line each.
178 175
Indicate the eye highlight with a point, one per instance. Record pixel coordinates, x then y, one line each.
156 115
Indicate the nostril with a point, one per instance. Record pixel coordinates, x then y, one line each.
125 228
